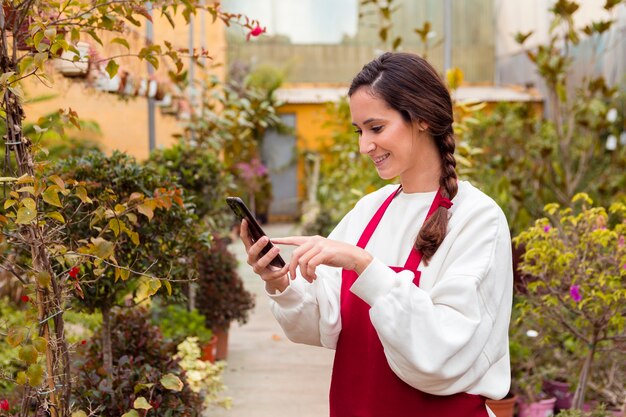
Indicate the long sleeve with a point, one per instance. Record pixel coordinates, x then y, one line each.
443 336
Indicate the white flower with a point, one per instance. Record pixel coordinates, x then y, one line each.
611 115
611 143
532 333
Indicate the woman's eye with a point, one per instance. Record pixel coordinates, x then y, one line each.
358 132
377 129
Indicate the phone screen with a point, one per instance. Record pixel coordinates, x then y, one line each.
256 232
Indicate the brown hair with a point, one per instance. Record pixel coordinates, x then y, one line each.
410 85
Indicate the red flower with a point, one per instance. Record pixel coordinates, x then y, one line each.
4 405
25 299
255 32
83 342
74 272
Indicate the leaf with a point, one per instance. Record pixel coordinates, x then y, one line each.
58 181
116 226
28 354
29 203
9 203
79 413
35 375
171 382
122 42
124 273
51 196
44 279
140 387
134 237
102 248
146 210
131 413
40 344
16 336
142 404
25 215
147 288
112 68
21 378
168 287
56 216
81 193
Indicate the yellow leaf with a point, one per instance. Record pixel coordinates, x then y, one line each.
115 225
135 196
35 375
132 217
44 279
28 189
172 382
28 354
102 248
40 344
454 76
168 287
25 215
119 208
131 413
21 378
124 274
51 196
142 404
58 181
9 203
79 413
56 216
29 203
146 210
140 387
81 193
16 336
134 236
25 179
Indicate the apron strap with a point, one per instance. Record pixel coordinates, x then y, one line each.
371 226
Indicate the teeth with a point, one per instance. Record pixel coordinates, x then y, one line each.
382 158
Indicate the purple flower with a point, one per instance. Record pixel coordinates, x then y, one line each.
620 242
574 292
546 228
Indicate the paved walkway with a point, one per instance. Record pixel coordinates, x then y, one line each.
268 375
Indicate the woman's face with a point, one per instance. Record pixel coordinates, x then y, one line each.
385 136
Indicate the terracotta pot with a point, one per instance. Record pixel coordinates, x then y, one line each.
221 352
209 350
503 407
559 390
543 408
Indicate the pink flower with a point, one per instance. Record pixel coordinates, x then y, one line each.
546 229
74 272
255 32
4 405
574 292
620 242
25 298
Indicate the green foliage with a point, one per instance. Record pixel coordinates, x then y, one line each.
177 323
576 261
144 367
202 175
221 296
138 210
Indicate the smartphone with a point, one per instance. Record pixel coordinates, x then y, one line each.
254 228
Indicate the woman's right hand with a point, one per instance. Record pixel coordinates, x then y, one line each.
275 279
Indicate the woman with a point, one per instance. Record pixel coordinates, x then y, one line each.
413 288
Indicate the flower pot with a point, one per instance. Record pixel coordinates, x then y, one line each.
559 390
503 407
542 408
221 352
209 349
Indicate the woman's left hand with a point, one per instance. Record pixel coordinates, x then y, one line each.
312 251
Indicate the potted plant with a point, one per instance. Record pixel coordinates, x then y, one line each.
576 258
221 297
178 323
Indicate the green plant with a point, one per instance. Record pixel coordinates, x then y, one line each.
576 291
177 323
146 377
221 296
204 377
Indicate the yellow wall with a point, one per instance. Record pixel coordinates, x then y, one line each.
124 124
310 134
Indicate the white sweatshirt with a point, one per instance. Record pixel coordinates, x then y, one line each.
448 335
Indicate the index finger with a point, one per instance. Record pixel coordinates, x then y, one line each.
290 240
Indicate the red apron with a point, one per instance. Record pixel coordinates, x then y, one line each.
363 384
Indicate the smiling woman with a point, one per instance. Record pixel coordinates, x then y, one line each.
413 287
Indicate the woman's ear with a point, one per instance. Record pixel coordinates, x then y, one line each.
422 125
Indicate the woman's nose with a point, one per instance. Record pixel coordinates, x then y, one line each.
366 146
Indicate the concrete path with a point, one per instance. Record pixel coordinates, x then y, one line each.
267 375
